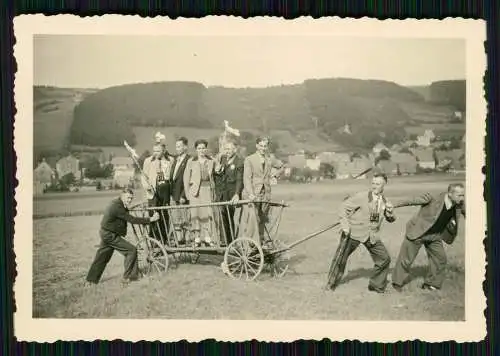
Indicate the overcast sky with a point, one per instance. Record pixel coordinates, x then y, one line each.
87 61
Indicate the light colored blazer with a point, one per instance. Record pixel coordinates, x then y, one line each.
354 216
192 176
424 219
150 169
255 177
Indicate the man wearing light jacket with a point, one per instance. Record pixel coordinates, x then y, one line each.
361 217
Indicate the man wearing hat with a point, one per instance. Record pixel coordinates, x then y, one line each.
361 217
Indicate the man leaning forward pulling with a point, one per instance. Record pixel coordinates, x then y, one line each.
113 229
435 222
361 217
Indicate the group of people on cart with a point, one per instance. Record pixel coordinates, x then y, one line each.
190 184
190 188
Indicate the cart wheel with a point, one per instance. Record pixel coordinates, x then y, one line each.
152 256
244 259
278 263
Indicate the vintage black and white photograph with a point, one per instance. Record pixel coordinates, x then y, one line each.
257 177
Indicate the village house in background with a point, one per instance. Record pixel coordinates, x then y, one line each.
124 171
43 176
67 165
426 139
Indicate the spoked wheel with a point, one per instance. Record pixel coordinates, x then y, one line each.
278 262
244 259
152 256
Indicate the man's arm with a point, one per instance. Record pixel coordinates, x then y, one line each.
389 212
348 208
462 209
247 177
423 199
121 213
186 178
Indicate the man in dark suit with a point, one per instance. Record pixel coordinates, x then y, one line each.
177 188
228 186
113 229
436 221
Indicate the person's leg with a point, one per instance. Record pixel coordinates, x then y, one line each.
164 200
346 247
437 263
229 227
382 261
102 257
407 254
130 252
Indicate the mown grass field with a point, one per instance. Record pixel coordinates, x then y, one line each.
65 247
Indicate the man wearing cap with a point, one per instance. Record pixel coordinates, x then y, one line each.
361 217
435 222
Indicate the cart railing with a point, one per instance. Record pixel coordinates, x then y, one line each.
211 225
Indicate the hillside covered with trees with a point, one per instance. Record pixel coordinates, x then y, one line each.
352 113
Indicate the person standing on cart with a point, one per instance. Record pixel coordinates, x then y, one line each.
228 187
257 175
112 232
156 182
178 194
361 217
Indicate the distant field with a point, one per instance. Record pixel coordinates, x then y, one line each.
51 127
449 129
64 249
53 116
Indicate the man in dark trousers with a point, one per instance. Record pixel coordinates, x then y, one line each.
113 229
180 216
435 222
228 187
156 183
361 217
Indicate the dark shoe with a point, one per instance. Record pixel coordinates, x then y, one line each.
377 290
429 287
397 288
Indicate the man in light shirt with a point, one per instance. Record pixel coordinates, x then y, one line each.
156 183
361 217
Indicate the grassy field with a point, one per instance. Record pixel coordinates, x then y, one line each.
65 247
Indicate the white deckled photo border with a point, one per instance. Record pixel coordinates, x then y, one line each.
27 328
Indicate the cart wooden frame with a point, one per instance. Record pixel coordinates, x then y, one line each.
246 254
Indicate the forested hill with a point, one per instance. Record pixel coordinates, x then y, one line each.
373 110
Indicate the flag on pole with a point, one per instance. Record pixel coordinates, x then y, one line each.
131 150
